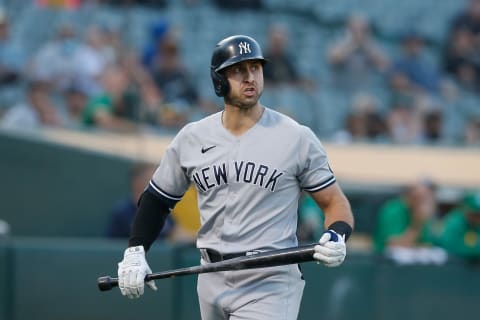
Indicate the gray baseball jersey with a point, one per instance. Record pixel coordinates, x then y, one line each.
248 186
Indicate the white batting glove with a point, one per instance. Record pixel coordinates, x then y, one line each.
132 271
331 249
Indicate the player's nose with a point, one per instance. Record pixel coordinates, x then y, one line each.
249 76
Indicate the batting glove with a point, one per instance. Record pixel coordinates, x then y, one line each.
331 249
132 271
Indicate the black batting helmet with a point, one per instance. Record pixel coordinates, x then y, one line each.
229 51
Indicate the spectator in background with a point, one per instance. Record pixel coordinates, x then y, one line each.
433 124
468 19
414 117
12 57
142 91
460 235
37 111
356 57
472 132
280 68
75 99
407 221
413 63
403 118
175 83
96 54
111 109
67 60
58 61
152 52
124 211
364 123
462 59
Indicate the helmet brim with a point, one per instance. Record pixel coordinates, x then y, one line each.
236 60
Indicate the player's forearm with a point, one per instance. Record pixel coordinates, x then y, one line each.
336 208
149 220
339 217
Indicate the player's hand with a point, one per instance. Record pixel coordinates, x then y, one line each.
132 271
331 249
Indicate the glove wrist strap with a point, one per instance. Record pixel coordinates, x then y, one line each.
342 228
134 250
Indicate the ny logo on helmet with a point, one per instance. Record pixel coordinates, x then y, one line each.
244 47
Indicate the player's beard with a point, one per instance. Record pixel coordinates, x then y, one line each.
242 103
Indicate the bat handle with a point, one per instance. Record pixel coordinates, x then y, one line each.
107 283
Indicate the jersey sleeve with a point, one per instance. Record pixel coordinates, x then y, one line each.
169 180
315 173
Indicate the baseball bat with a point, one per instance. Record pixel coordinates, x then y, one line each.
260 260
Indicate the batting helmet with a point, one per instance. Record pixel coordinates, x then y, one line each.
229 51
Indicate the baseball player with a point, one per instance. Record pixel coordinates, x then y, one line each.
249 165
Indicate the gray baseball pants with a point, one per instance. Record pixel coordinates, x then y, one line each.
272 293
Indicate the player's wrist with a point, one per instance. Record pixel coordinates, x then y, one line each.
342 228
135 250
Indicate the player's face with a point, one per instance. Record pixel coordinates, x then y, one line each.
246 83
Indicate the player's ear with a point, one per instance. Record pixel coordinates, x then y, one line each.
220 83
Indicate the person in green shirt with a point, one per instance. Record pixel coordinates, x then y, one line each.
407 221
107 110
461 229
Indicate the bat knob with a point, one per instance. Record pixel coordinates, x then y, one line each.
106 283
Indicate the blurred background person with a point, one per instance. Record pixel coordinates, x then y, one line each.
95 55
468 18
472 132
74 101
461 59
408 220
36 111
60 60
13 59
404 120
141 93
182 101
123 212
460 234
12 55
363 123
280 68
151 54
413 62
111 109
356 58
433 127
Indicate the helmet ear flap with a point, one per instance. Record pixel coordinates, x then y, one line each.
220 83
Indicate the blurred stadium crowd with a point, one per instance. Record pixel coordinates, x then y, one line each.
375 71
351 70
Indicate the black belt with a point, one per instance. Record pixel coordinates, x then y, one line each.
216 256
